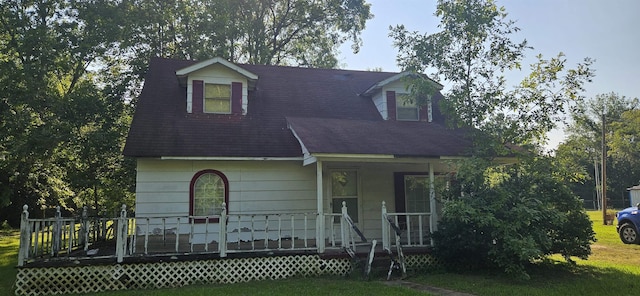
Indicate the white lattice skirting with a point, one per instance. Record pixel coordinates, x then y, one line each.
96 278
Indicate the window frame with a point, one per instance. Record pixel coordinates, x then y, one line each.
204 98
427 200
192 184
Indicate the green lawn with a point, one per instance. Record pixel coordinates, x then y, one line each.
613 269
9 241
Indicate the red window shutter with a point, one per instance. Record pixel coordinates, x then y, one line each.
423 113
391 105
197 98
398 181
236 98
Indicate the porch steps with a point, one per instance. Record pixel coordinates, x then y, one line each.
379 268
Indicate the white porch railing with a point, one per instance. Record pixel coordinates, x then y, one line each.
58 236
416 229
121 237
345 228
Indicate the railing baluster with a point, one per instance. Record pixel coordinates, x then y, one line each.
164 232
191 221
253 246
305 230
178 235
407 219
279 231
33 238
72 226
85 229
266 232
239 229
206 235
420 235
146 238
132 233
293 230
222 244
39 239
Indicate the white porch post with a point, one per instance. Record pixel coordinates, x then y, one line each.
433 218
386 233
222 239
320 204
25 236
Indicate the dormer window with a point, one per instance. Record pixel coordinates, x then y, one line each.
217 98
216 86
406 109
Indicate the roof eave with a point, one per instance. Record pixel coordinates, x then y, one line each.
184 72
376 87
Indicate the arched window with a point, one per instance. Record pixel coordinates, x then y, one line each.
208 190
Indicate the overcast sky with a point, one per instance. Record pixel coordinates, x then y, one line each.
607 31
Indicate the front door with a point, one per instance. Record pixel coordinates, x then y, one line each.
345 188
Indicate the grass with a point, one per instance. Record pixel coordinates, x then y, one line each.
612 269
9 242
294 286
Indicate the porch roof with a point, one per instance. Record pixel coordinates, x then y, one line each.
367 137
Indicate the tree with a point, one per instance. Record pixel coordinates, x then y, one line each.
472 53
624 142
283 32
624 150
582 148
46 50
495 215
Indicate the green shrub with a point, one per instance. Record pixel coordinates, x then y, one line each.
5 225
507 216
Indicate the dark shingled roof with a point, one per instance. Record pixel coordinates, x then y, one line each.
323 106
404 139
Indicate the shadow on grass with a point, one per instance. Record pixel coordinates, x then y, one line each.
547 278
9 241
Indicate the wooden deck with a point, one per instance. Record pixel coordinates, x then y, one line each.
164 249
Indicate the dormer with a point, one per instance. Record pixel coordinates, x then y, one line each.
217 86
389 97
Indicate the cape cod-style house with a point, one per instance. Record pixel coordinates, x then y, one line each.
260 172
274 140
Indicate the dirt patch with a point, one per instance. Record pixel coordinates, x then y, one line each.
427 289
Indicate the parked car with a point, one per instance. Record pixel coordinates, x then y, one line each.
629 224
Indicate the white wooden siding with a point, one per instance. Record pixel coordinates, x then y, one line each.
265 187
255 186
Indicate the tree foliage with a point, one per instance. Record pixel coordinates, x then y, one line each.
282 32
504 217
582 149
472 53
50 100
